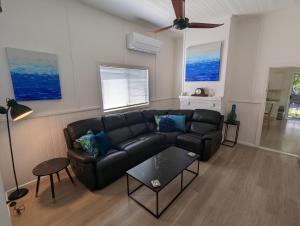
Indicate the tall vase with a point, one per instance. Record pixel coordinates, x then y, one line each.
231 117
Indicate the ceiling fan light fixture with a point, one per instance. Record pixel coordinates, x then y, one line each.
181 23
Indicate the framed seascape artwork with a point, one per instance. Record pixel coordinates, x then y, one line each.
203 62
34 75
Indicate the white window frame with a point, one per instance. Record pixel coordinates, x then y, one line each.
126 66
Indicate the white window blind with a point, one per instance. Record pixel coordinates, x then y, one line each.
123 87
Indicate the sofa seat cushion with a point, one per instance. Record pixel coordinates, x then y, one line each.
170 137
143 147
110 167
191 142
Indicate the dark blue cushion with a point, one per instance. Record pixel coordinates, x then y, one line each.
166 125
102 142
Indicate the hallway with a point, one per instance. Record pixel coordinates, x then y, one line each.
282 135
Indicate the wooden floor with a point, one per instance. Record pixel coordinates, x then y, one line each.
238 187
282 135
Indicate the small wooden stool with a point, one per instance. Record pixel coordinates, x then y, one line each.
48 168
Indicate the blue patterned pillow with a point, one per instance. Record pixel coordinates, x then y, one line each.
88 144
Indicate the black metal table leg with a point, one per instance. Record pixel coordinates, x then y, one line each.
226 131
69 175
157 215
52 186
37 186
58 176
181 183
237 134
127 184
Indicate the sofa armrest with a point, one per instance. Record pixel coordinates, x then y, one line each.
81 156
211 135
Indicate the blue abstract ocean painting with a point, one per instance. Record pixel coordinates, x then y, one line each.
203 62
34 75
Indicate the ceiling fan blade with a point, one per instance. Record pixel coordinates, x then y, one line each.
161 29
179 8
203 25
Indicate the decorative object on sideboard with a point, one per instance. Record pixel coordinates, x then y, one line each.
203 62
34 75
17 111
200 92
231 117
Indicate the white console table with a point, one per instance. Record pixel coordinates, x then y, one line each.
210 103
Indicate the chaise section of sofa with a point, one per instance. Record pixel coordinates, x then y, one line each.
94 173
205 134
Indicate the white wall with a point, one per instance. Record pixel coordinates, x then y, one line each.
261 42
81 37
4 215
240 84
204 36
280 47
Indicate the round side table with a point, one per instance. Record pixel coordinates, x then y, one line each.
48 168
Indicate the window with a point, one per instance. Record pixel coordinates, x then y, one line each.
123 87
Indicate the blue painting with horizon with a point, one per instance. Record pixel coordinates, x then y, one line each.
203 62
34 75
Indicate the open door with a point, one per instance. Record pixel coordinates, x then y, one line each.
294 102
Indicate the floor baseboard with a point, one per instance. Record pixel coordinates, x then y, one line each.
269 149
28 183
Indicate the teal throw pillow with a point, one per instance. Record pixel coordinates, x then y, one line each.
102 142
179 121
88 144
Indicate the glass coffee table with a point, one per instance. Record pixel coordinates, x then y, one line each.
165 167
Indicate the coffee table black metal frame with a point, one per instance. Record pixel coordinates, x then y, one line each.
158 213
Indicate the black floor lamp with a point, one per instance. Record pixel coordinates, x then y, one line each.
17 111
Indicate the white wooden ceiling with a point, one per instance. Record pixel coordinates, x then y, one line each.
160 12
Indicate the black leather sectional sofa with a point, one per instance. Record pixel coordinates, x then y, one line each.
135 139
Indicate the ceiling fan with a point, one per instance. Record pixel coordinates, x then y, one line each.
181 22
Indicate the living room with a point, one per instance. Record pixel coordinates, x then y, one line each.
243 185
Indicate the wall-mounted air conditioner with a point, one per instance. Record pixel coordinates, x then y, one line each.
142 43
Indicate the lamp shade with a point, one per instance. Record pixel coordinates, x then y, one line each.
18 111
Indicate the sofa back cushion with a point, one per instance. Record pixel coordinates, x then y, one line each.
149 118
116 128
79 128
205 121
136 123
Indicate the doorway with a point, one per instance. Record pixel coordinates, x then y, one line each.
294 102
281 125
